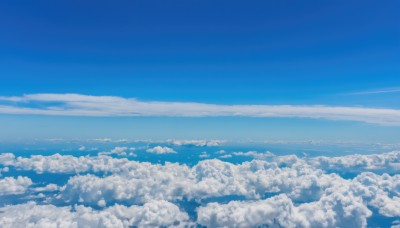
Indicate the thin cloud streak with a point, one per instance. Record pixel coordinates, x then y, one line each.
85 105
378 91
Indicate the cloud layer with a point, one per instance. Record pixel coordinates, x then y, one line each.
84 105
281 191
306 196
152 214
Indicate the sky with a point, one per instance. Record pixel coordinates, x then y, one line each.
233 67
155 113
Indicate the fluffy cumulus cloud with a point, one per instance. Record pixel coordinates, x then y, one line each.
152 214
386 162
68 164
330 211
14 186
161 150
282 191
207 179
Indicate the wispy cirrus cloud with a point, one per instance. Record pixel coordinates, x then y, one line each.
86 105
377 91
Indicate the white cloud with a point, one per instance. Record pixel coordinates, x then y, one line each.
4 170
47 188
385 162
199 143
152 214
379 191
335 210
105 140
121 151
214 178
225 156
14 186
204 155
161 150
255 154
84 105
329 198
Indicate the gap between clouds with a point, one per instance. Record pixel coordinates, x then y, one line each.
85 105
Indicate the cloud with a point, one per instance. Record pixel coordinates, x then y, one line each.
214 178
121 151
47 188
377 91
221 152
14 186
85 105
4 170
225 156
152 214
255 154
335 210
140 182
380 163
204 155
161 150
303 193
383 163
200 143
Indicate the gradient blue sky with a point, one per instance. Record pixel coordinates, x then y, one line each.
335 53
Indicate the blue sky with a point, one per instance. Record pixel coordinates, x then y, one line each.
330 53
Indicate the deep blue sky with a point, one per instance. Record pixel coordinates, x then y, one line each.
227 52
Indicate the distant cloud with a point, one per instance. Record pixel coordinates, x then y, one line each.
255 154
161 150
379 163
221 152
120 151
225 156
204 155
199 143
84 105
377 91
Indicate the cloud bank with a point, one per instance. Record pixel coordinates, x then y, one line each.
152 214
84 105
282 191
199 143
